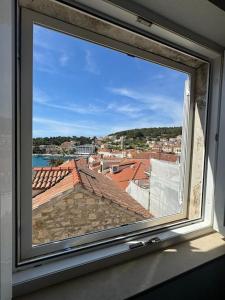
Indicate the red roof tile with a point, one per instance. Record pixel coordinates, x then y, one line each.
44 178
130 169
93 182
155 155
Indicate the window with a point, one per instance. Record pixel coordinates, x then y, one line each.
112 137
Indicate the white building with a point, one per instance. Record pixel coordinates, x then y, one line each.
87 149
165 188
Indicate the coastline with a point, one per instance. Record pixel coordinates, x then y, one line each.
54 155
44 160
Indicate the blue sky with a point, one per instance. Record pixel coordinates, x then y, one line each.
80 88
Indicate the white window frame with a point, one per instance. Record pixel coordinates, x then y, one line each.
27 253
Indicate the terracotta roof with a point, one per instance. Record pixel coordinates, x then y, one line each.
155 155
47 177
94 183
95 168
66 184
130 169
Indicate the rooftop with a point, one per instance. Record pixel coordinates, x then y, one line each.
77 173
130 169
156 155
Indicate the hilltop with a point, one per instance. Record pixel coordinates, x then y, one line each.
154 132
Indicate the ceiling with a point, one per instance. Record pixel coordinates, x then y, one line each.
199 16
198 20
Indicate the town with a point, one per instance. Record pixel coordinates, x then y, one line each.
94 184
121 144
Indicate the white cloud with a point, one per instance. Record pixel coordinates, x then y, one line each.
51 127
47 121
164 107
88 109
47 57
91 65
127 109
44 61
125 92
42 99
159 76
63 59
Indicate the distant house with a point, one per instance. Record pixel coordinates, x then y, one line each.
177 149
94 159
52 149
179 138
86 149
68 146
73 200
104 146
94 163
156 155
163 140
111 153
128 170
167 148
119 154
108 162
105 152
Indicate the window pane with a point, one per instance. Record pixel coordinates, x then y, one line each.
109 138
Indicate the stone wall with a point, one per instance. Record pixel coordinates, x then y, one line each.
199 136
75 214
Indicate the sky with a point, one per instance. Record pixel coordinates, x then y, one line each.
81 88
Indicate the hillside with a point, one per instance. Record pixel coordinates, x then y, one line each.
167 132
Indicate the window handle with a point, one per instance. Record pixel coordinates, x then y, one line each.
138 244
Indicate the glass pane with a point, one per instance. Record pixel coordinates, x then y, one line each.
108 138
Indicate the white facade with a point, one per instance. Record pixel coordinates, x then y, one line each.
85 149
165 188
140 194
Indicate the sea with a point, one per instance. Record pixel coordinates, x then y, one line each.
44 161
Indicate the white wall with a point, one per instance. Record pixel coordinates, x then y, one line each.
165 185
6 99
139 194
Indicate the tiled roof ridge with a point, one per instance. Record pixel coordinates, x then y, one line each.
75 173
102 194
40 182
58 168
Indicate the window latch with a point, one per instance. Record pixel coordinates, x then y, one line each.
139 244
152 241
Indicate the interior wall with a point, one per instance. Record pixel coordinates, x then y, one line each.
205 282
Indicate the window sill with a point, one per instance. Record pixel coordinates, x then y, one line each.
167 263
